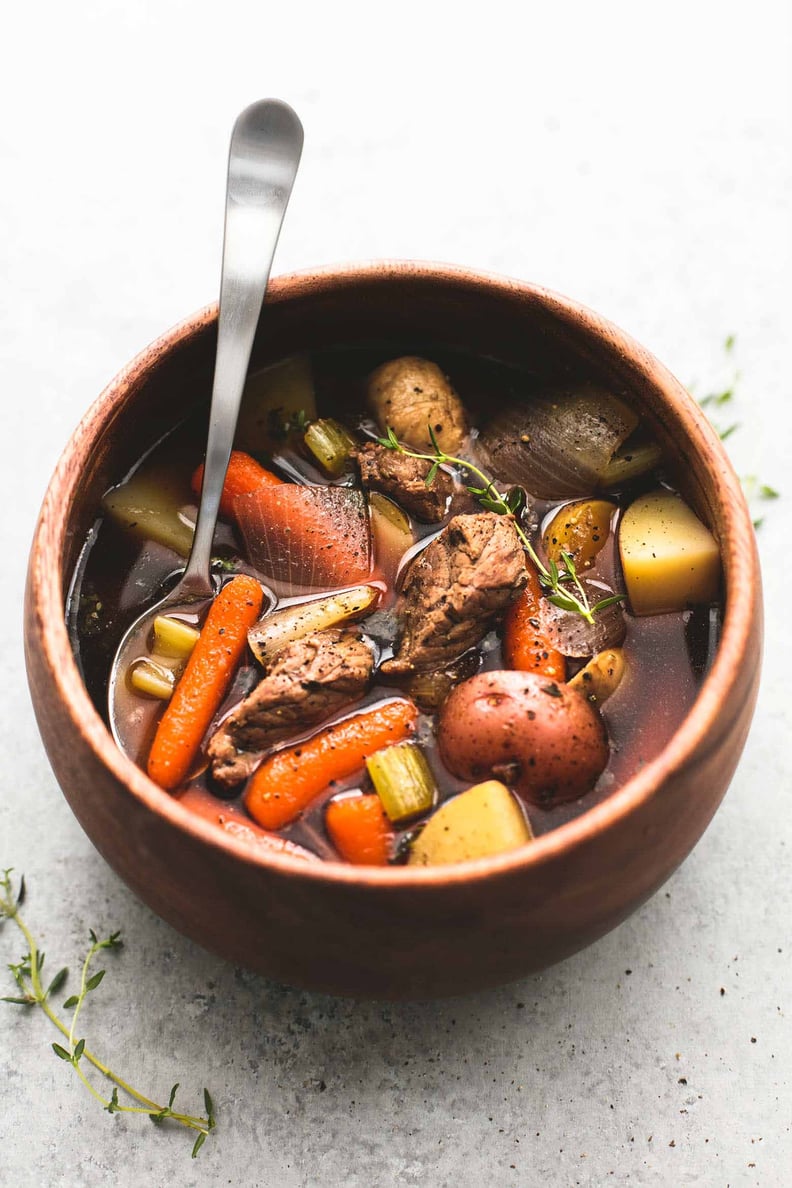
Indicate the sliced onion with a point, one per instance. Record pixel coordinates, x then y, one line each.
560 444
305 538
572 635
275 631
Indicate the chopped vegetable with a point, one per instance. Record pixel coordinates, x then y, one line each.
275 631
359 830
174 638
403 780
560 444
275 400
411 394
573 635
637 456
202 687
580 530
480 822
670 560
289 780
244 475
331 444
154 506
152 679
601 676
305 537
526 645
539 736
392 535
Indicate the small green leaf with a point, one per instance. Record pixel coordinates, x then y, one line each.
476 490
92 936
729 343
27 1001
758 523
724 434
172 1097
433 439
766 492
79 1048
210 1110
57 982
71 1002
565 602
199 1142
432 475
22 892
515 500
94 981
493 505
39 961
61 1052
611 601
112 1106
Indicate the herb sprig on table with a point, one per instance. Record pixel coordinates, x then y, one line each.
27 973
561 583
722 398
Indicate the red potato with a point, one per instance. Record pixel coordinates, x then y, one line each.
538 736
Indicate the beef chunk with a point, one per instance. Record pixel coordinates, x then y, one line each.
465 578
308 681
404 479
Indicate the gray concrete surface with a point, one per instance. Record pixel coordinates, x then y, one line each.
634 156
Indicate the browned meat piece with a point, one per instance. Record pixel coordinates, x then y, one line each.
465 578
404 479
308 681
410 394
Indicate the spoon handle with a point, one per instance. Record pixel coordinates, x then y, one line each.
266 144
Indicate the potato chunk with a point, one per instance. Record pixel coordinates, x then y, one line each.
409 395
579 529
482 821
670 560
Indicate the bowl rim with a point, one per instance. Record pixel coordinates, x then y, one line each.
738 552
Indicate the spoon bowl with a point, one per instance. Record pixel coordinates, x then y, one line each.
266 144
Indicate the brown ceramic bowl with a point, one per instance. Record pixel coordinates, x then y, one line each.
393 932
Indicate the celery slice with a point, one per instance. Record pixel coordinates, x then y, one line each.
151 679
403 780
272 633
331 444
174 638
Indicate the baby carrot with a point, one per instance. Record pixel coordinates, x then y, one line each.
204 682
525 645
243 476
360 830
288 781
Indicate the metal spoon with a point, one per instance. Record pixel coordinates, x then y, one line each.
266 144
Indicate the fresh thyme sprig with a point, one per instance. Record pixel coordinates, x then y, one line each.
720 398
27 975
563 586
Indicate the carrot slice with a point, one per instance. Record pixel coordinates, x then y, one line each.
288 781
204 682
244 475
360 830
525 643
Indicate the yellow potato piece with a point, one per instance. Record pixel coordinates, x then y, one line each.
601 676
482 821
670 560
579 529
